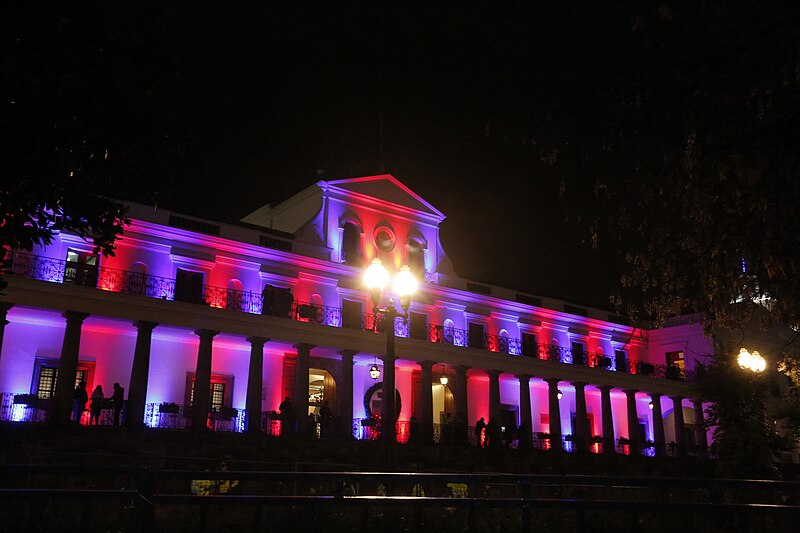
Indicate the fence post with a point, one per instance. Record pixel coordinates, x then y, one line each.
148 511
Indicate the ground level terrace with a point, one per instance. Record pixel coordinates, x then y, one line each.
158 350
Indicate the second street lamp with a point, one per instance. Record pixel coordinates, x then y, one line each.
376 278
751 361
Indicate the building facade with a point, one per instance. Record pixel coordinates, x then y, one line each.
238 318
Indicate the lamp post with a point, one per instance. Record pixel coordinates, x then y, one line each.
376 278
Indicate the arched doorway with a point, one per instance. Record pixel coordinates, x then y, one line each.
321 390
443 414
443 403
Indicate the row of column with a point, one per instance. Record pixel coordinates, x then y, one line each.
61 403
582 431
137 392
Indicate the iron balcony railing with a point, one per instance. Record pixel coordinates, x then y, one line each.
282 305
448 335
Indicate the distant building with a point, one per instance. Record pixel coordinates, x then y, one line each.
239 317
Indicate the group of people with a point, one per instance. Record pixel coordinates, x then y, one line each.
491 435
325 419
98 401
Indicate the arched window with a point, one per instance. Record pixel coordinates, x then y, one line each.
351 244
503 341
234 296
416 258
319 306
554 351
449 331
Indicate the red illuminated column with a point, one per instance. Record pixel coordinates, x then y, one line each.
525 418
345 397
581 429
680 426
4 307
633 422
140 372
555 415
255 384
202 380
608 419
494 395
61 403
658 425
301 386
700 426
460 394
424 408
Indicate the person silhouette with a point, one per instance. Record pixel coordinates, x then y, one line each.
96 406
480 427
79 399
118 400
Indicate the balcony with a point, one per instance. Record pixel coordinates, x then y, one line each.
30 408
176 416
279 303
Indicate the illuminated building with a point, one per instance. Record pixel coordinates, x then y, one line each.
274 307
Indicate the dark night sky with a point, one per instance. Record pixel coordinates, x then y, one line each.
490 114
272 97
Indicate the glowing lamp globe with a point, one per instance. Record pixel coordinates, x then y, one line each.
443 380
376 277
757 362
405 284
751 361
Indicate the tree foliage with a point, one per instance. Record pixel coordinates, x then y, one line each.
744 438
677 133
84 102
706 205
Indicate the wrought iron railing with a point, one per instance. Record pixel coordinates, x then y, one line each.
317 313
377 323
272 423
176 416
370 429
29 408
236 300
503 344
643 368
552 352
110 279
448 335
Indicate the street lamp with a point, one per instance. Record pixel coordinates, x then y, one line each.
751 361
374 372
376 278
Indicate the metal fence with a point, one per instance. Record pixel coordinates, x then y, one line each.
226 498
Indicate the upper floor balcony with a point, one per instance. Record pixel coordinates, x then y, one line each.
278 302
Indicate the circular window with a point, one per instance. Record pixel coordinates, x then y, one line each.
384 240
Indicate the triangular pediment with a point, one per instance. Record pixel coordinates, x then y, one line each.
389 189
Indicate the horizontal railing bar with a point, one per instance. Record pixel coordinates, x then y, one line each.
490 503
565 480
72 493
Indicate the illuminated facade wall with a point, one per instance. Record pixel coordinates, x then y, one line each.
233 264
